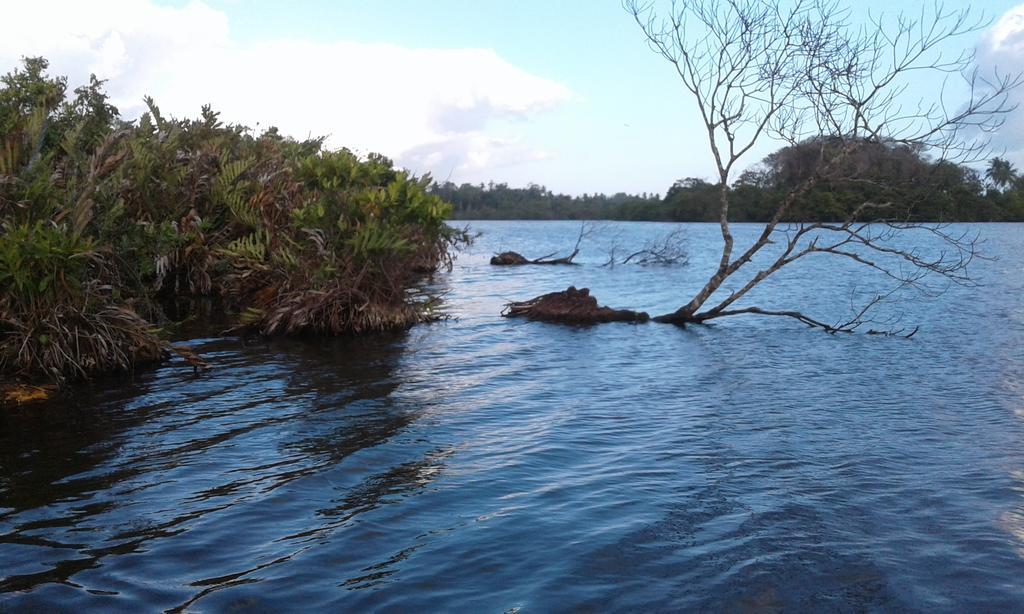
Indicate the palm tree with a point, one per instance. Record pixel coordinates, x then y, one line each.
1001 173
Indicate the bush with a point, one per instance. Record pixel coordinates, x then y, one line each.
104 220
57 317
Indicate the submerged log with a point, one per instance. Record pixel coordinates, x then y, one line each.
509 258
191 358
570 306
515 258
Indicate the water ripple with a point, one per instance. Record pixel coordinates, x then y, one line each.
487 464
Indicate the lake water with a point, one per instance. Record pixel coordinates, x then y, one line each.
485 464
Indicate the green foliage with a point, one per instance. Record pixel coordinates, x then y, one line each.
373 238
39 264
99 214
498 201
59 316
251 248
914 187
229 192
1001 174
25 90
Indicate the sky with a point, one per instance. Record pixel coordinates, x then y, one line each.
564 93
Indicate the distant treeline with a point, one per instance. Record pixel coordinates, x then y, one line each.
912 186
498 201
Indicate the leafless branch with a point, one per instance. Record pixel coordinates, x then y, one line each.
515 258
667 250
802 72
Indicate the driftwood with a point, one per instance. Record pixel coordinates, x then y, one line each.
570 306
515 258
191 358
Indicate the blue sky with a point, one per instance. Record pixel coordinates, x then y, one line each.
563 93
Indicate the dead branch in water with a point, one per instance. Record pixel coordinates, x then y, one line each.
511 258
667 250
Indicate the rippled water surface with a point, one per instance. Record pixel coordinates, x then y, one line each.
484 464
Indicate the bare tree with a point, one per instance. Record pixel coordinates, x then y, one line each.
799 72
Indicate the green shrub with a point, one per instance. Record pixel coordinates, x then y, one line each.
102 218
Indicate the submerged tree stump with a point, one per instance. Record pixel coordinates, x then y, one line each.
515 258
508 259
570 306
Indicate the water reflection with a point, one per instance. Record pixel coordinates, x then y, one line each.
483 464
175 459
47 444
1012 521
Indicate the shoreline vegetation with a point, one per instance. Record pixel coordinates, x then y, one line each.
927 191
106 223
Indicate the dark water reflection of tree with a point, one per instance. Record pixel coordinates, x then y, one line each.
88 459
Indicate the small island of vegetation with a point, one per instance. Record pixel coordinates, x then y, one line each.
107 223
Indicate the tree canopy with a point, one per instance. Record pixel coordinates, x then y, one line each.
927 190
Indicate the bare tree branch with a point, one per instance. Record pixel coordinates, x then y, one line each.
515 258
666 250
803 73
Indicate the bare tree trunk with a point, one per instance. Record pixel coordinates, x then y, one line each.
798 73
685 313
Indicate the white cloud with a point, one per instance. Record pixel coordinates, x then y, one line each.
1002 48
473 154
432 110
